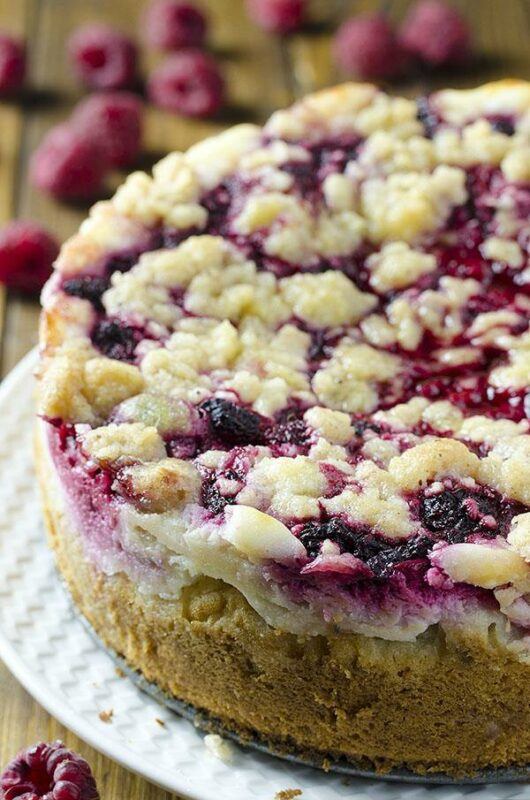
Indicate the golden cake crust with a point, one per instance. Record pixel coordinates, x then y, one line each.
448 702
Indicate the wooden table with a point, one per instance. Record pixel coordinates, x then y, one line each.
262 73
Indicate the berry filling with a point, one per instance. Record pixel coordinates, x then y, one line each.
87 287
455 514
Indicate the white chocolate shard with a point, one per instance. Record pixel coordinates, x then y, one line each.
260 536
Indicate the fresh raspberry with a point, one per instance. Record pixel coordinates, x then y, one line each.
277 16
102 57
367 46
27 253
436 33
69 164
170 25
115 120
48 772
12 64
188 83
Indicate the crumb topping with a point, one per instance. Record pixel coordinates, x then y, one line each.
311 341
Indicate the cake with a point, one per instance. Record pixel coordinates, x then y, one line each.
283 437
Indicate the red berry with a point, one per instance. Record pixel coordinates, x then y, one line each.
102 57
27 253
188 83
12 64
367 46
69 164
115 120
170 25
36 774
436 33
277 16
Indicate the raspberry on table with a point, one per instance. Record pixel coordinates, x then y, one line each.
115 120
277 16
48 772
366 46
69 164
27 253
188 83
171 25
103 58
12 63
436 33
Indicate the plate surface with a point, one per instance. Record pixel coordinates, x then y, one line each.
55 658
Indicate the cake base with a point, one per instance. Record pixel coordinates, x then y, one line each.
206 723
440 706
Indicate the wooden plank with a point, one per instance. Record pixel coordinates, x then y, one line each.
11 123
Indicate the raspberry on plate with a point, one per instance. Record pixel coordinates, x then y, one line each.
367 47
277 16
115 120
171 25
12 63
69 164
436 33
27 253
188 83
48 772
102 57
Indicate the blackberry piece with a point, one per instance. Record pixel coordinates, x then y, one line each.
289 428
232 424
383 563
441 511
350 540
426 116
503 125
88 288
447 514
212 499
115 340
121 262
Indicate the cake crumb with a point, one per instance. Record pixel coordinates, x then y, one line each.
160 722
287 794
219 747
106 716
119 672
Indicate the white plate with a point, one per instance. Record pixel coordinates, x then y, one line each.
52 655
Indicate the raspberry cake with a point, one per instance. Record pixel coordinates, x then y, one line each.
283 431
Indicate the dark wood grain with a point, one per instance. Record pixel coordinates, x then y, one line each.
262 73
